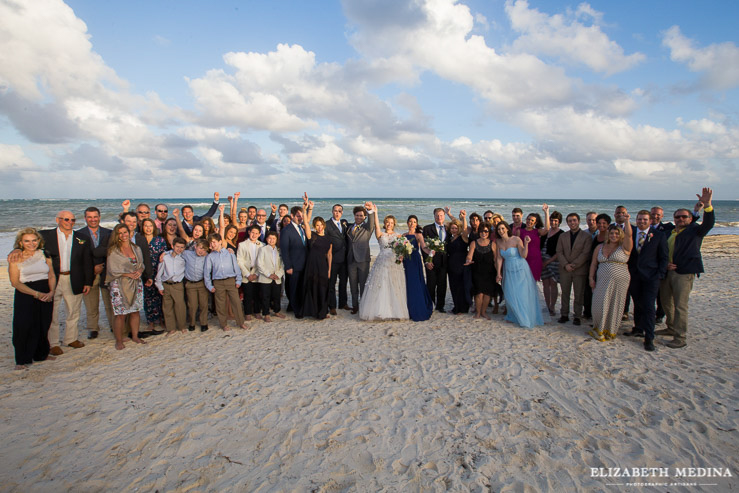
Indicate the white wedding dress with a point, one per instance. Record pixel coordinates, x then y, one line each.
384 294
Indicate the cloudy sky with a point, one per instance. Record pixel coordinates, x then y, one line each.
384 98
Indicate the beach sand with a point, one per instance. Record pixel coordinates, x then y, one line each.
343 405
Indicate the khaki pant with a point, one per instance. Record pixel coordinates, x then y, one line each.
226 288
674 291
173 307
197 298
92 305
570 281
73 303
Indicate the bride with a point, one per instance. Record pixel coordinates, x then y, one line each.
384 294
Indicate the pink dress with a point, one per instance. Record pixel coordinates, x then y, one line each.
534 256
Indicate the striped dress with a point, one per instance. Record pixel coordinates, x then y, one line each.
610 291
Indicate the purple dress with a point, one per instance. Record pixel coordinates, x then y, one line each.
534 256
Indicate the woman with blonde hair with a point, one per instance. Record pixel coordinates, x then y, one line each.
124 267
34 281
609 291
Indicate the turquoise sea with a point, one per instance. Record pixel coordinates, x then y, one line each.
40 213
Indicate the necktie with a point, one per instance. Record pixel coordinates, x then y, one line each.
94 238
642 237
441 233
302 235
356 228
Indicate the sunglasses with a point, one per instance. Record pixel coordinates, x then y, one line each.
162 210
682 216
143 212
487 232
67 220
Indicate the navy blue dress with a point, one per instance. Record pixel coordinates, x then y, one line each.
420 305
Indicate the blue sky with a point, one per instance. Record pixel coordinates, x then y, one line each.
376 98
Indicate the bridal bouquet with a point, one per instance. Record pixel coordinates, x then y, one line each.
435 245
402 248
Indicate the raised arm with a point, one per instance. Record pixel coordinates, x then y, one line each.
628 243
222 221
376 220
463 218
183 234
234 205
547 225
307 213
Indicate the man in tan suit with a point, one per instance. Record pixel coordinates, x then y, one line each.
573 253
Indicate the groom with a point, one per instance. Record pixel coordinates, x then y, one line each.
436 266
358 251
647 266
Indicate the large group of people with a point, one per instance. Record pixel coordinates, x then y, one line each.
177 269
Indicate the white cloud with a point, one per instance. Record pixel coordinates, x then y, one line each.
565 37
718 62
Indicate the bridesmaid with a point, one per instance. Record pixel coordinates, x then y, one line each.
317 265
457 253
420 305
482 258
550 264
535 229
152 298
169 232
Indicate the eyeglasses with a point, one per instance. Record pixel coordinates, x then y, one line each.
67 220
682 216
488 218
143 212
162 210
261 215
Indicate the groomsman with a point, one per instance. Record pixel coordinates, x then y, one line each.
436 266
647 266
98 238
294 249
358 252
261 223
684 264
336 229
573 253
517 223
656 214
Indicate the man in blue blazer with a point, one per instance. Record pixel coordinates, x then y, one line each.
684 264
98 237
293 248
647 266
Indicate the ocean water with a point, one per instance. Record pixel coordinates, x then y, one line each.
40 213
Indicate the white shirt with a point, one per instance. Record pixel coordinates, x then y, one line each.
65 249
441 230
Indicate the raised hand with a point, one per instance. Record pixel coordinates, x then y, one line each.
273 207
216 197
176 213
705 196
237 195
448 210
221 207
230 199
126 204
462 214
545 208
305 197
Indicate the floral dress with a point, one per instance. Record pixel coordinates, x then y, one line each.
152 298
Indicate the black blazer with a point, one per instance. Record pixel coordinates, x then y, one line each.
99 253
186 226
338 240
292 249
651 262
80 261
141 242
665 228
431 231
687 251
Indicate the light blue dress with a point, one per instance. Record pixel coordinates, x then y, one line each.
520 291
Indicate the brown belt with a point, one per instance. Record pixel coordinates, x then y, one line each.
64 273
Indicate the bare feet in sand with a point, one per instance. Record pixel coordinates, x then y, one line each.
21 367
280 315
119 346
138 341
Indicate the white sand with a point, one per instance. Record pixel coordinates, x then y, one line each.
343 405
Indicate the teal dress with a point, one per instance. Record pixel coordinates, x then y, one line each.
520 291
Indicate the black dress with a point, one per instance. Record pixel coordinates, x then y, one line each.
315 300
483 270
457 254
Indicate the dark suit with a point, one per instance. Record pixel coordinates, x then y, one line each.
358 256
186 226
436 277
92 299
338 261
647 268
69 285
140 241
293 250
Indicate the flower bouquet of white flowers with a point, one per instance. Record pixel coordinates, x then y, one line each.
435 245
401 247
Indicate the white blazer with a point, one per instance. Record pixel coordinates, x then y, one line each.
266 265
247 263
